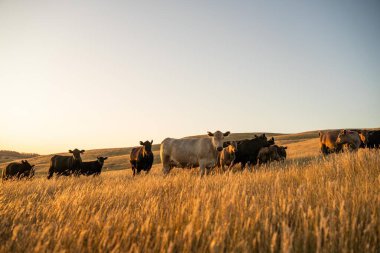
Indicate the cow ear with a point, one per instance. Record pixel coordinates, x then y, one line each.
105 158
226 133
82 151
263 135
151 142
285 147
141 143
70 151
344 131
210 134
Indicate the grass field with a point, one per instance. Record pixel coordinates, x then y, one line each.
307 204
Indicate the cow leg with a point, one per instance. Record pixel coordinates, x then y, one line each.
50 173
324 149
166 167
223 169
249 167
134 171
242 166
202 167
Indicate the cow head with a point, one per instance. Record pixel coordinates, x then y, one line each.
271 141
262 139
281 150
217 139
363 137
76 154
27 165
147 145
232 147
101 159
28 169
343 137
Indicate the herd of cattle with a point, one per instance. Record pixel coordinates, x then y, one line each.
205 153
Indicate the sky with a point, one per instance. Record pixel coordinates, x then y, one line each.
102 74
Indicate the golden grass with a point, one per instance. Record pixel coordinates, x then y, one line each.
318 205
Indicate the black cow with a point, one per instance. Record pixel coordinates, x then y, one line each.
18 170
248 150
141 158
66 165
93 167
373 139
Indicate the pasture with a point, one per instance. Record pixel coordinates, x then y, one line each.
307 204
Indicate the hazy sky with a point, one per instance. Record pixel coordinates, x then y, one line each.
98 74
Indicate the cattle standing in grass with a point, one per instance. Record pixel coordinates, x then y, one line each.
268 154
93 167
196 152
327 142
248 150
227 156
349 138
66 165
141 158
18 170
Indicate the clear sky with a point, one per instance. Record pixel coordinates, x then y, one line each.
100 74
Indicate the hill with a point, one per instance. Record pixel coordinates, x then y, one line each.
7 155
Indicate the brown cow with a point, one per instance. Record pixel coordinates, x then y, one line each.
66 165
141 158
350 138
227 156
196 152
327 142
268 154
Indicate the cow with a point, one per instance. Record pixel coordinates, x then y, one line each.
268 154
141 158
327 142
92 167
373 139
194 152
66 165
227 155
18 170
248 150
349 138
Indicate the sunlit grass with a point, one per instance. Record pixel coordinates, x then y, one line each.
325 205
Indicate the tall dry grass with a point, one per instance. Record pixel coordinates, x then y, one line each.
314 205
